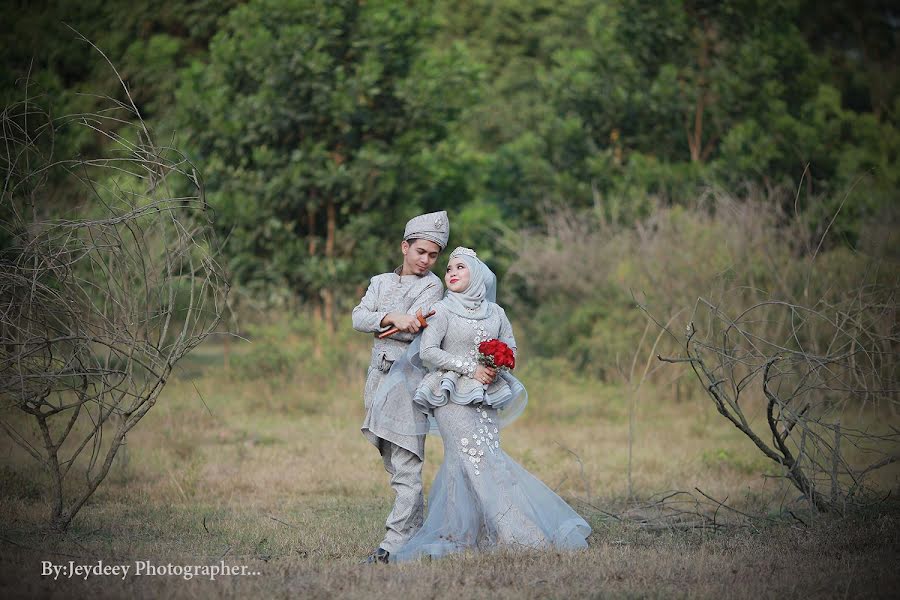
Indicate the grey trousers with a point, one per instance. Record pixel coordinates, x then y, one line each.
408 512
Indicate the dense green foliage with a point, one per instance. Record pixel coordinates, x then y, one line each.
304 108
319 128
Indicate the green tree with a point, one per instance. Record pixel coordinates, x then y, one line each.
319 125
607 104
46 60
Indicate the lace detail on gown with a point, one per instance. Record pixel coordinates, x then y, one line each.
482 499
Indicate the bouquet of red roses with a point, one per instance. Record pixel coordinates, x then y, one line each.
496 354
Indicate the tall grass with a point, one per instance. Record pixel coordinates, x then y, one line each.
576 285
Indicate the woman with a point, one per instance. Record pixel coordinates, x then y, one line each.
481 498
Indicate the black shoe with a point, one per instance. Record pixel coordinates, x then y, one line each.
379 556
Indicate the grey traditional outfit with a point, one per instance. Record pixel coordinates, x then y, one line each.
481 498
392 424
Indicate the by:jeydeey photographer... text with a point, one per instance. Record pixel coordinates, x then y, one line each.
140 568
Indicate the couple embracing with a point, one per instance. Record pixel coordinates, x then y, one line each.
428 379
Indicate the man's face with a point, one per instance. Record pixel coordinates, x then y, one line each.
419 257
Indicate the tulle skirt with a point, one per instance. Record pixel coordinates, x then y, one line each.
482 499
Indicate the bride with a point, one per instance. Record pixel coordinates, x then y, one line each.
481 498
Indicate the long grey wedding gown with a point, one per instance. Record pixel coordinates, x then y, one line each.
481 498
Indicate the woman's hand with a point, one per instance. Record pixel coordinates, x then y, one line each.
484 374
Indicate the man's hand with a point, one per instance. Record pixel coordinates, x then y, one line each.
484 374
404 322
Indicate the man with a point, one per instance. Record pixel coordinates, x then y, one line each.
391 301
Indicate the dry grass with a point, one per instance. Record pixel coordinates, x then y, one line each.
275 475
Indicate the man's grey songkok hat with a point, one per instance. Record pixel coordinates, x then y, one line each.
434 227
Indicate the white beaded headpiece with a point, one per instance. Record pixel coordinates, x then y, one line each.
460 250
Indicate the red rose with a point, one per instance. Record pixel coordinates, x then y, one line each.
506 358
497 353
488 348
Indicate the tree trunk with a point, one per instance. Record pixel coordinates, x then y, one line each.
695 132
328 291
311 230
311 250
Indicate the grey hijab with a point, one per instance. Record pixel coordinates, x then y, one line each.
474 301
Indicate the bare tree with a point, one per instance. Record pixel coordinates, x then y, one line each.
795 341
96 308
797 380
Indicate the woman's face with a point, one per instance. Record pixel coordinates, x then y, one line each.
457 275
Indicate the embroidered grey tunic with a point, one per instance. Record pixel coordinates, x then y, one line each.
391 292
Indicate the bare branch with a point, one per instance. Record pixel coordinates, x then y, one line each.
96 310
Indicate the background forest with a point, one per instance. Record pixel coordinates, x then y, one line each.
321 127
631 170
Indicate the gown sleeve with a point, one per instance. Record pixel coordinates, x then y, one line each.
432 353
506 332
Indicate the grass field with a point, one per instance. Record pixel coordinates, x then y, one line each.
273 474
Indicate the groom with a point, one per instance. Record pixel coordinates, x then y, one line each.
391 302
